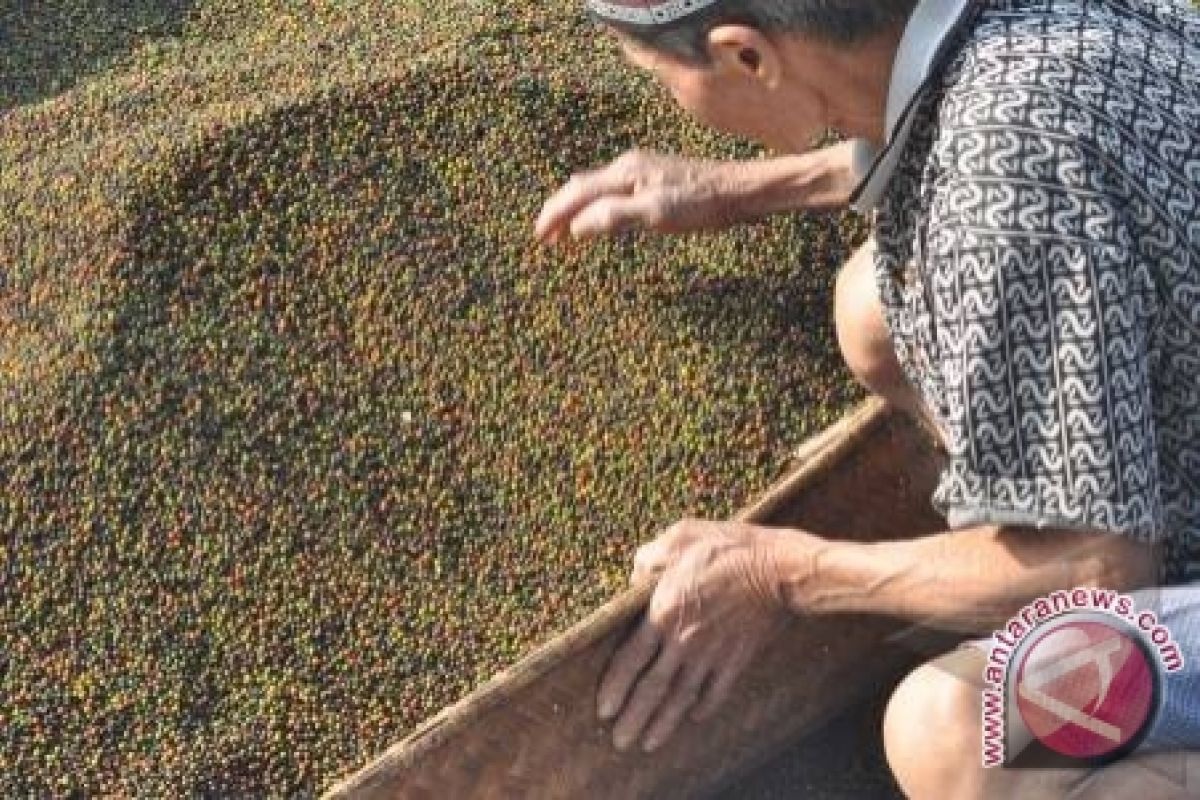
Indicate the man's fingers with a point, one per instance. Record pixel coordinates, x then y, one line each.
627 663
650 557
640 575
685 695
720 684
577 194
648 696
613 214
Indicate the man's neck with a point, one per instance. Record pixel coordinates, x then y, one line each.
859 80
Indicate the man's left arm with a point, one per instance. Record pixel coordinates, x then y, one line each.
970 580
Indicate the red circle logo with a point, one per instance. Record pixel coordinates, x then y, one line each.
1086 689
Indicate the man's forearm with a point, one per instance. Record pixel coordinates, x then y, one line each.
821 179
969 580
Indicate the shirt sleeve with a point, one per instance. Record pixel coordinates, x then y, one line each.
1039 315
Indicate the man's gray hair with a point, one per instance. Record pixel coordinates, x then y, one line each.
837 21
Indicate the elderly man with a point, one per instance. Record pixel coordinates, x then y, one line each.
1031 291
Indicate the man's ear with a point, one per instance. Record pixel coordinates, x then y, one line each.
745 50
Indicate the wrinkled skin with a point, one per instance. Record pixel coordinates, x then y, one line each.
716 605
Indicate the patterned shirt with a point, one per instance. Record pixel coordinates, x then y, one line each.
1039 267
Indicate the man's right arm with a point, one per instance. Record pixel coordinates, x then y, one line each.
649 191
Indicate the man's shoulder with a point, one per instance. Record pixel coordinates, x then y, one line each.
1050 64
1071 102
1059 118
1084 29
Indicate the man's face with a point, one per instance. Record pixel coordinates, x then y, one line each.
730 99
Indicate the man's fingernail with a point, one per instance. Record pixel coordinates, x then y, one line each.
651 744
620 742
606 709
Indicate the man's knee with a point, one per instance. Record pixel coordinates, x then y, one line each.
861 329
931 728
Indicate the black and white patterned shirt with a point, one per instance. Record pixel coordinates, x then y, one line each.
1039 267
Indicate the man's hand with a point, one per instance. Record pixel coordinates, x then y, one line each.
642 190
716 605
